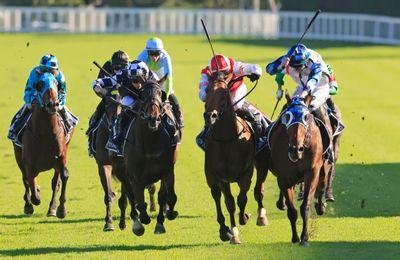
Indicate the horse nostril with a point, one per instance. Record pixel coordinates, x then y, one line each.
301 149
214 115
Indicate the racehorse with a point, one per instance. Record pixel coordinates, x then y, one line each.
297 145
44 147
150 157
229 155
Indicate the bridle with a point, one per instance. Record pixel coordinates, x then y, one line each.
152 99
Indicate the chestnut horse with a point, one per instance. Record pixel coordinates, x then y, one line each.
230 157
296 155
150 157
44 147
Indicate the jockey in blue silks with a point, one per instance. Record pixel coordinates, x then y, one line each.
48 63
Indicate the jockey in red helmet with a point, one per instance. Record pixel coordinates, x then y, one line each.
228 65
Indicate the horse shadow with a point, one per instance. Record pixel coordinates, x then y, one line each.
88 249
366 190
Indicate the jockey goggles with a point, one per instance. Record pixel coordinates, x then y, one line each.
154 52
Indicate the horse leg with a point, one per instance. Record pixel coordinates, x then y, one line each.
262 219
61 210
152 190
32 180
171 196
310 183
122 203
230 205
162 200
291 212
300 195
141 204
55 185
224 231
105 178
319 193
244 185
28 208
280 203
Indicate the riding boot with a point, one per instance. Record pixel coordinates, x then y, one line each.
118 132
250 113
96 116
17 122
334 117
64 116
329 192
322 114
176 110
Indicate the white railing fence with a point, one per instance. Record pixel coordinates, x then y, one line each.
265 24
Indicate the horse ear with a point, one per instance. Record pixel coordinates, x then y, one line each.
229 77
288 97
308 99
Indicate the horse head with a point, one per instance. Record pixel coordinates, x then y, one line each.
297 119
218 99
151 109
47 88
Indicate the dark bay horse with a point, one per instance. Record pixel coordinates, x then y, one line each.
229 156
44 147
150 157
296 155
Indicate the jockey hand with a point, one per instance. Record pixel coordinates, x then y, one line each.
101 92
279 93
253 77
303 94
284 63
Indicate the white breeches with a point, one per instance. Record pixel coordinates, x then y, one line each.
320 93
238 94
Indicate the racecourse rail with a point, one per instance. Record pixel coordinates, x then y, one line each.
230 22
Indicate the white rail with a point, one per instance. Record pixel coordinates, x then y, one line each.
265 24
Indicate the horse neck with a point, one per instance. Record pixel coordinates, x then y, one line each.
145 136
43 123
226 126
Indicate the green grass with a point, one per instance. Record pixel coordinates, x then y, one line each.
364 222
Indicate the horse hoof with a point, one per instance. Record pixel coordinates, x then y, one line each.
35 201
225 234
295 240
28 209
122 225
300 196
172 214
160 229
235 236
320 209
145 219
262 221
304 243
108 227
280 205
61 212
243 219
329 197
138 228
51 213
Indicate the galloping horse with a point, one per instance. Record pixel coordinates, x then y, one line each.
229 155
44 146
150 157
297 145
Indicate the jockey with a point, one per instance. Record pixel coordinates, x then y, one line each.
48 63
307 68
159 61
129 81
238 90
118 62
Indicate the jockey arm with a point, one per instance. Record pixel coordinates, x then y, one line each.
62 88
314 77
102 85
252 70
203 84
29 93
276 66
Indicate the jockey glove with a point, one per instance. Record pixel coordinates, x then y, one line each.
253 77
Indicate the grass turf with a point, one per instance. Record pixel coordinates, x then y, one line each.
362 223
